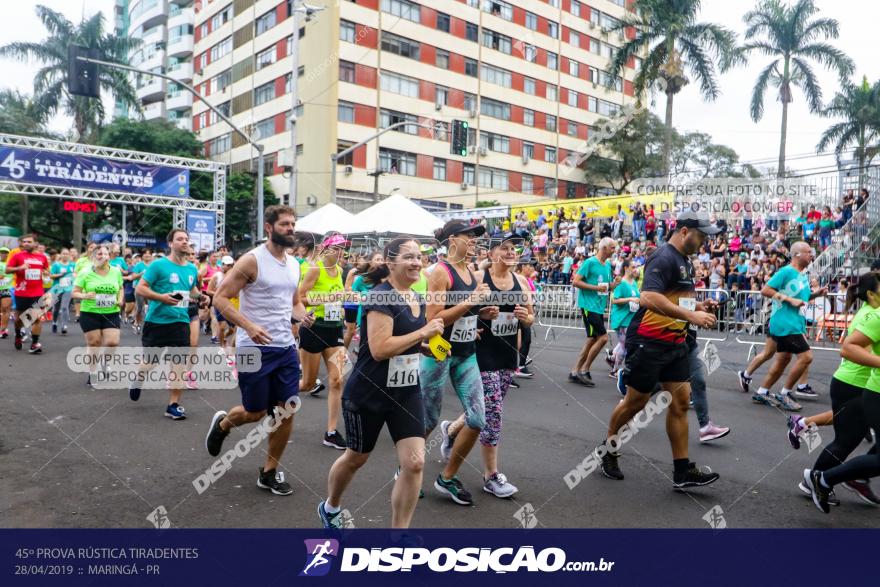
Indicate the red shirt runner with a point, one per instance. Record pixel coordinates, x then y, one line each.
29 281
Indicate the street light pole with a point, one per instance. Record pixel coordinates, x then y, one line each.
244 135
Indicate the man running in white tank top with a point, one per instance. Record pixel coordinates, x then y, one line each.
265 281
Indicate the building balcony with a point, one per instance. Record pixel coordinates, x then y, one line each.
181 71
153 90
156 60
179 101
182 17
154 111
153 36
180 46
184 123
148 13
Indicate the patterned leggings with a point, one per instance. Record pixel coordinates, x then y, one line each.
464 374
495 386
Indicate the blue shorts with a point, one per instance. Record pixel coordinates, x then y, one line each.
275 383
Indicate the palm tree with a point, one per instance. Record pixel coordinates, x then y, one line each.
671 41
50 82
789 34
859 107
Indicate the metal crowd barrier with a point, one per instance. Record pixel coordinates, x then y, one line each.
556 308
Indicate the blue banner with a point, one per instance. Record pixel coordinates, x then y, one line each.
64 170
201 225
164 557
134 240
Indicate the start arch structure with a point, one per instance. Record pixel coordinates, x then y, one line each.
33 166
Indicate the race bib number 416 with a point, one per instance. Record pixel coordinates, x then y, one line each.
403 371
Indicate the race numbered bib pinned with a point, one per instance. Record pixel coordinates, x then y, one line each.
464 329
333 312
506 324
184 301
439 347
33 274
403 371
105 300
689 304
64 282
4 282
605 291
633 306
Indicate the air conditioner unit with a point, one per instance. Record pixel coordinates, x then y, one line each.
472 149
312 200
473 112
525 158
348 169
438 106
483 151
591 24
464 185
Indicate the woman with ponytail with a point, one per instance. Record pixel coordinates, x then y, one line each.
854 405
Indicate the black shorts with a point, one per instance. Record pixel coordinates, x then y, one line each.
405 419
23 304
89 321
594 323
351 315
159 336
129 297
192 311
646 365
317 339
791 343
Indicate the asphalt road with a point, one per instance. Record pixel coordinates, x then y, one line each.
76 457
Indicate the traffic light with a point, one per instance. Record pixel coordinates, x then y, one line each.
459 138
82 76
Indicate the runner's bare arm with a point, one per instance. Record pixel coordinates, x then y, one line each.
299 312
383 345
857 348
143 290
529 318
79 294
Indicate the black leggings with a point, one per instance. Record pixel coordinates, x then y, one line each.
850 425
525 345
865 466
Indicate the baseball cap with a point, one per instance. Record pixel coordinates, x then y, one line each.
335 240
507 236
4 250
696 220
227 260
454 227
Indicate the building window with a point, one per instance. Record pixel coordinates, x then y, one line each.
266 57
265 22
529 86
552 60
397 162
470 67
572 129
346 71
220 81
574 39
400 84
575 7
552 92
346 112
531 21
493 178
221 18
495 142
607 108
264 129
225 108
572 98
470 102
494 108
443 22
570 188
346 31
528 185
441 131
468 174
550 154
442 59
499 9
550 187
403 9
264 93
441 95
592 104
528 150
471 31
496 75
530 53
551 123
400 46
574 68
440 169
220 145
220 49
389 117
553 29
528 117
497 41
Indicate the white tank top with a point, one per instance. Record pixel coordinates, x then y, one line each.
268 301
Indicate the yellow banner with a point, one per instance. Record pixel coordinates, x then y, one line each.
604 207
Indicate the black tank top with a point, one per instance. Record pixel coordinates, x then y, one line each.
497 347
463 333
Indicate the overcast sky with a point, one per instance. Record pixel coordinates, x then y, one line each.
726 119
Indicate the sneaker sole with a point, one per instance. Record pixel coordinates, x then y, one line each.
613 478
35 351
444 440
331 445
694 484
524 375
317 391
266 487
454 498
743 386
218 415
500 496
807 493
715 437
320 517
806 396
862 497
167 415
807 482
794 445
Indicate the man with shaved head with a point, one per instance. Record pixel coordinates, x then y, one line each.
789 288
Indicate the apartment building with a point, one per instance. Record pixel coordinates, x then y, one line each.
528 76
165 28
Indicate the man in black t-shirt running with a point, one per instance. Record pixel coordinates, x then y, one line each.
656 349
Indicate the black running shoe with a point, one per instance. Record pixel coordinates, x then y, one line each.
817 490
610 468
17 342
36 348
134 392
318 388
693 477
274 482
216 435
584 379
514 384
335 440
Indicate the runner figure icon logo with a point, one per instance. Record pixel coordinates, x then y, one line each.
320 553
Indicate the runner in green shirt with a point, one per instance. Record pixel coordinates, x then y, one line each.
100 292
62 272
624 305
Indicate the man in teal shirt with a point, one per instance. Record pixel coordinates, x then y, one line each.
593 282
140 302
789 288
168 283
62 272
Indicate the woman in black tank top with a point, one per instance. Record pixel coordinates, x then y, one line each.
497 352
